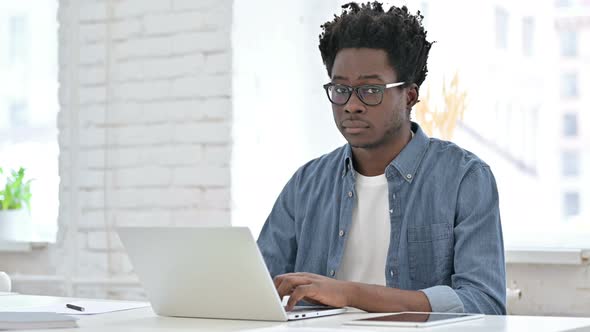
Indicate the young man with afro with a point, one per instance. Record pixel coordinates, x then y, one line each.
393 220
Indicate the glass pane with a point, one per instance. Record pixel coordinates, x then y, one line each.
570 163
569 85
338 94
571 204
371 96
501 28
528 33
18 113
19 39
570 125
568 42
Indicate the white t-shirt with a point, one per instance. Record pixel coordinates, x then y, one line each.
367 241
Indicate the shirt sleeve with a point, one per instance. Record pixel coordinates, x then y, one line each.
443 299
479 278
277 240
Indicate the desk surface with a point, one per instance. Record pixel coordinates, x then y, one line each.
144 320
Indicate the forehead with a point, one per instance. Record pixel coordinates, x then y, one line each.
353 63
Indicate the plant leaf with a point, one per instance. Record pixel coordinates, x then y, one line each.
16 192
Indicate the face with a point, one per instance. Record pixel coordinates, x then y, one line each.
365 126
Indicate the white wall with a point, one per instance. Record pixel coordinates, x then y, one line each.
282 116
144 134
550 289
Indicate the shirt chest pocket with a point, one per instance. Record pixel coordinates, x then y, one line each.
430 250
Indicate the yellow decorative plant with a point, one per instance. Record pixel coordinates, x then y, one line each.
441 122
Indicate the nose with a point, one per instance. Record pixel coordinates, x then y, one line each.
354 105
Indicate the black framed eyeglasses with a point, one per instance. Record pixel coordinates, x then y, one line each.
369 94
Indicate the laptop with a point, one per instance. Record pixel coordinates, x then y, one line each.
207 272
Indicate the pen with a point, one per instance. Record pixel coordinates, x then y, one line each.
74 307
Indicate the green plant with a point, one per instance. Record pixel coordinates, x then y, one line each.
16 191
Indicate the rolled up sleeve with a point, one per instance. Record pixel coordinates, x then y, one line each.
443 299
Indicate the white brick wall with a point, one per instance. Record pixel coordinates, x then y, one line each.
145 133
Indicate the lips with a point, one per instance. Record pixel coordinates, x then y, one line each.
354 126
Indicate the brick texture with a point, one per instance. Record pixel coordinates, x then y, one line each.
144 134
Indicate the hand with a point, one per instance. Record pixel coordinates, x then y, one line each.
313 288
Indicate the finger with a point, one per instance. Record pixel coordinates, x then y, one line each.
307 275
284 288
299 293
312 301
278 279
289 282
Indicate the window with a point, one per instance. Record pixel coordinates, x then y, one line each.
570 125
528 33
501 28
514 118
17 111
19 39
425 12
569 85
570 163
571 204
28 104
568 42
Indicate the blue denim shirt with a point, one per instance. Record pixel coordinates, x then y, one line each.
446 236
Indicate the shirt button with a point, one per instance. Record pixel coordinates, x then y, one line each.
409 176
332 272
390 210
391 273
350 194
341 233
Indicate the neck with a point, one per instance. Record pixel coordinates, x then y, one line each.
373 161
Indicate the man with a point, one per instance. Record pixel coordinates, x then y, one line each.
394 220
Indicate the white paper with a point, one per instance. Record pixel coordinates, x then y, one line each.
90 307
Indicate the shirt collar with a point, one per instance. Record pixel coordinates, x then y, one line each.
406 162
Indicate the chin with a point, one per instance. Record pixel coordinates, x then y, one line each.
360 141
361 144
365 143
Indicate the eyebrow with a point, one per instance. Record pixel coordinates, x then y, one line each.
338 77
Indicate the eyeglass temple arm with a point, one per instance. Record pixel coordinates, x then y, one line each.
392 85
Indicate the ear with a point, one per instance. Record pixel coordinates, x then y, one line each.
412 94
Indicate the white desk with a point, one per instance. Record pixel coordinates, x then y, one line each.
144 320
